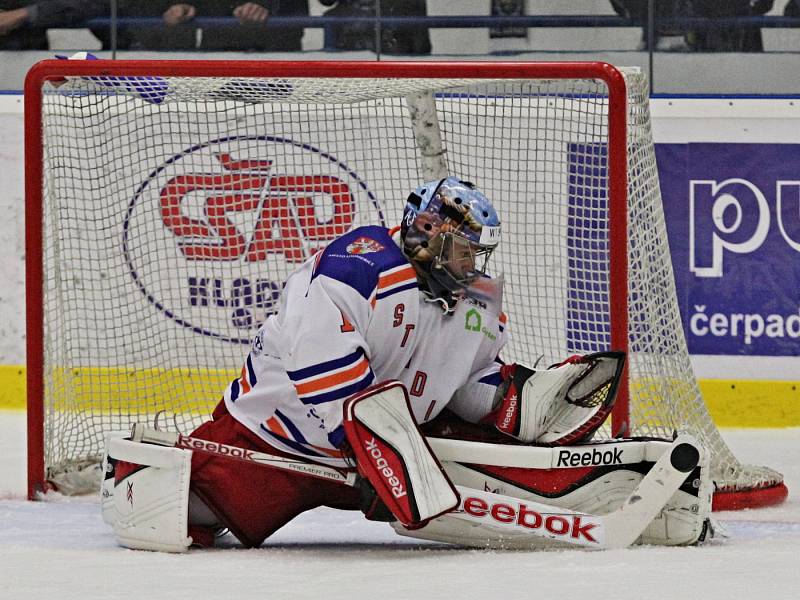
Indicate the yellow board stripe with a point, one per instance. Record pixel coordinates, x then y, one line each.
731 403
117 390
735 403
13 387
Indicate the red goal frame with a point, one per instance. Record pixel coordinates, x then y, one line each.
51 70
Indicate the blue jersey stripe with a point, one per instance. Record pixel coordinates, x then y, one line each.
330 365
292 444
251 374
336 437
409 286
341 393
293 430
491 379
235 390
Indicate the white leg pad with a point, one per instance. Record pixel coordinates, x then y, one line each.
107 480
685 519
682 519
150 496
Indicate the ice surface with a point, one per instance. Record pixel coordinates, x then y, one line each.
62 550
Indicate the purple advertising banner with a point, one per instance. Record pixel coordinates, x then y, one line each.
588 302
733 220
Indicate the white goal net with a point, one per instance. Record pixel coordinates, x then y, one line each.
173 208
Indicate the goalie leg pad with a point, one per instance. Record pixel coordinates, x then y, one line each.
394 457
600 489
150 497
686 518
107 482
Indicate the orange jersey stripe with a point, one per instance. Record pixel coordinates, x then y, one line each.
243 380
396 277
275 427
331 380
327 451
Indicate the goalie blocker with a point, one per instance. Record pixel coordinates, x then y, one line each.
394 457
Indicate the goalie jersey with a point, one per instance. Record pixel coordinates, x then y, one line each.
350 316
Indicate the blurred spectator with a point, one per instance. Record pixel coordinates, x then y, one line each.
508 8
665 37
725 38
792 9
413 40
180 32
728 38
24 25
250 34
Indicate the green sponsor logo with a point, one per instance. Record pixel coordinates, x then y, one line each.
473 320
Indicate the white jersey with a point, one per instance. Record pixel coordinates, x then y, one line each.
351 316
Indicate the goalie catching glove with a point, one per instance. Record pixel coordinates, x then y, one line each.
562 405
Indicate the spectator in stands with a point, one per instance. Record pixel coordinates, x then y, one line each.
250 34
24 24
728 38
665 36
412 40
180 32
723 38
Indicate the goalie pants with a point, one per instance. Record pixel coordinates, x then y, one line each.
254 501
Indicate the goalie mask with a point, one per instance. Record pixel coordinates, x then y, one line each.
449 231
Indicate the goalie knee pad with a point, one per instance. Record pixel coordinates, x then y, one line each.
145 495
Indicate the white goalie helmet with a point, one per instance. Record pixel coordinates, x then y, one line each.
449 231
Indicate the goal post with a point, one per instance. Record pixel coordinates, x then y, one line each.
166 202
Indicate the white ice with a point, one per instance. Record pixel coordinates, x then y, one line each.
62 550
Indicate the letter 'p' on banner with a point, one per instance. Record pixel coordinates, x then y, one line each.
733 219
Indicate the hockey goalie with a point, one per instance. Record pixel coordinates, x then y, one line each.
378 386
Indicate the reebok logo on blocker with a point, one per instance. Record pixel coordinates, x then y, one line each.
398 491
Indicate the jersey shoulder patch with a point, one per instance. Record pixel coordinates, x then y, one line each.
366 259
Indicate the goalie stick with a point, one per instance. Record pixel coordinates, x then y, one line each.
146 435
617 529
545 457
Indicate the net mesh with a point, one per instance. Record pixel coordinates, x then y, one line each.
176 207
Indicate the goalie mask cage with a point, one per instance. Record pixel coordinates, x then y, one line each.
167 201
